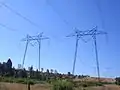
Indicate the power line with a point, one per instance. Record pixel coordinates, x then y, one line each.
98 5
65 21
20 15
5 26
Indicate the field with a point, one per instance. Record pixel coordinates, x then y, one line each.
4 85
14 86
109 80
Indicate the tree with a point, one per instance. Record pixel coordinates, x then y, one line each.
47 71
9 63
22 73
37 74
55 72
5 68
69 73
47 74
30 71
51 70
42 69
13 72
1 69
117 80
19 66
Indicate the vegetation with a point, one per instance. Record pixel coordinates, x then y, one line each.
57 80
17 80
117 80
62 85
86 83
6 70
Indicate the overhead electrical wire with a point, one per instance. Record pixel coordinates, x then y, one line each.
65 21
9 28
5 26
20 15
98 4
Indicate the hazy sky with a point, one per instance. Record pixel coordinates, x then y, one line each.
58 52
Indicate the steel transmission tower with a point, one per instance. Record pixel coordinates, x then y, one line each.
80 34
37 38
27 39
94 32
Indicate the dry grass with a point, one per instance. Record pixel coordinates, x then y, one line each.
41 87
14 86
95 79
106 87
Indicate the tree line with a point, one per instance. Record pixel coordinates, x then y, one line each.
7 70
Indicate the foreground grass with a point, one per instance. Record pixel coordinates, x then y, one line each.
9 83
16 86
21 80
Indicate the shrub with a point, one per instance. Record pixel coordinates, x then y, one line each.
20 80
117 80
25 81
10 80
62 85
31 82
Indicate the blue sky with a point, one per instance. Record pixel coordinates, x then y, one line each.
58 52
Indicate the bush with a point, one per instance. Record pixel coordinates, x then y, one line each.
25 81
99 84
62 85
20 81
117 80
10 80
17 80
31 82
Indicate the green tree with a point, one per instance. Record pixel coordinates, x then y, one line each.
55 72
117 80
42 70
37 74
30 71
22 73
62 85
9 64
69 73
47 71
51 70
